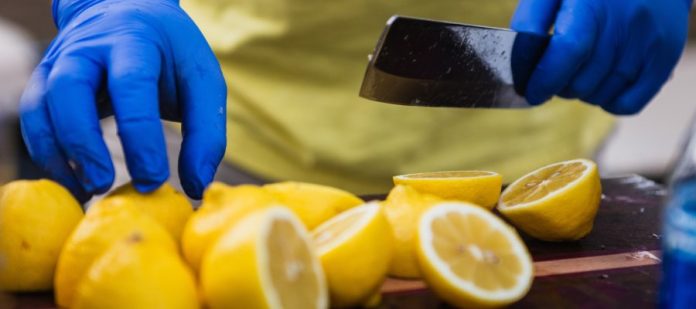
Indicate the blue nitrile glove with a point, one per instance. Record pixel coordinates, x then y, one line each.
613 53
140 60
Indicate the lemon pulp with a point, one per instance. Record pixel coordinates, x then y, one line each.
479 187
558 202
471 258
330 232
448 174
543 182
475 252
355 249
290 261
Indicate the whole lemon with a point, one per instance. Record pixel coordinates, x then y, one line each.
313 203
137 273
99 230
222 207
36 217
403 208
166 205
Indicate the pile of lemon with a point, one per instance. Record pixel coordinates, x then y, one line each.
290 245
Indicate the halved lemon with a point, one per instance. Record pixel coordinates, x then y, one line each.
471 258
265 261
555 203
478 187
355 249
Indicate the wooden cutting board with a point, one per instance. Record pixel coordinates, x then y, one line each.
617 265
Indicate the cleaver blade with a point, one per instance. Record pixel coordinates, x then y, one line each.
424 62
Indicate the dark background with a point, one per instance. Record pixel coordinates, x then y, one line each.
32 15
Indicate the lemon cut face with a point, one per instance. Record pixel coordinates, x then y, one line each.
472 258
445 175
294 271
265 261
558 202
355 249
345 226
544 182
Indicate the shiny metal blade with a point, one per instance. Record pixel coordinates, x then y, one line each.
432 63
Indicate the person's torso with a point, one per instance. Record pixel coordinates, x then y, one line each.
294 68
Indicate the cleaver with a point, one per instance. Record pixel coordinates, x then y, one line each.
424 62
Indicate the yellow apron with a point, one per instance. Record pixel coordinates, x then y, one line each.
294 68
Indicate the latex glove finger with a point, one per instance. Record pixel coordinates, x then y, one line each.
651 79
203 94
596 69
659 57
535 16
611 87
39 136
133 75
71 89
570 46
626 68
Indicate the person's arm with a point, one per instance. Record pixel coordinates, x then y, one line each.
613 53
140 60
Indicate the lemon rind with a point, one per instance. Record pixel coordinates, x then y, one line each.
522 284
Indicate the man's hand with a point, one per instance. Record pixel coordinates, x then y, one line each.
613 53
140 60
